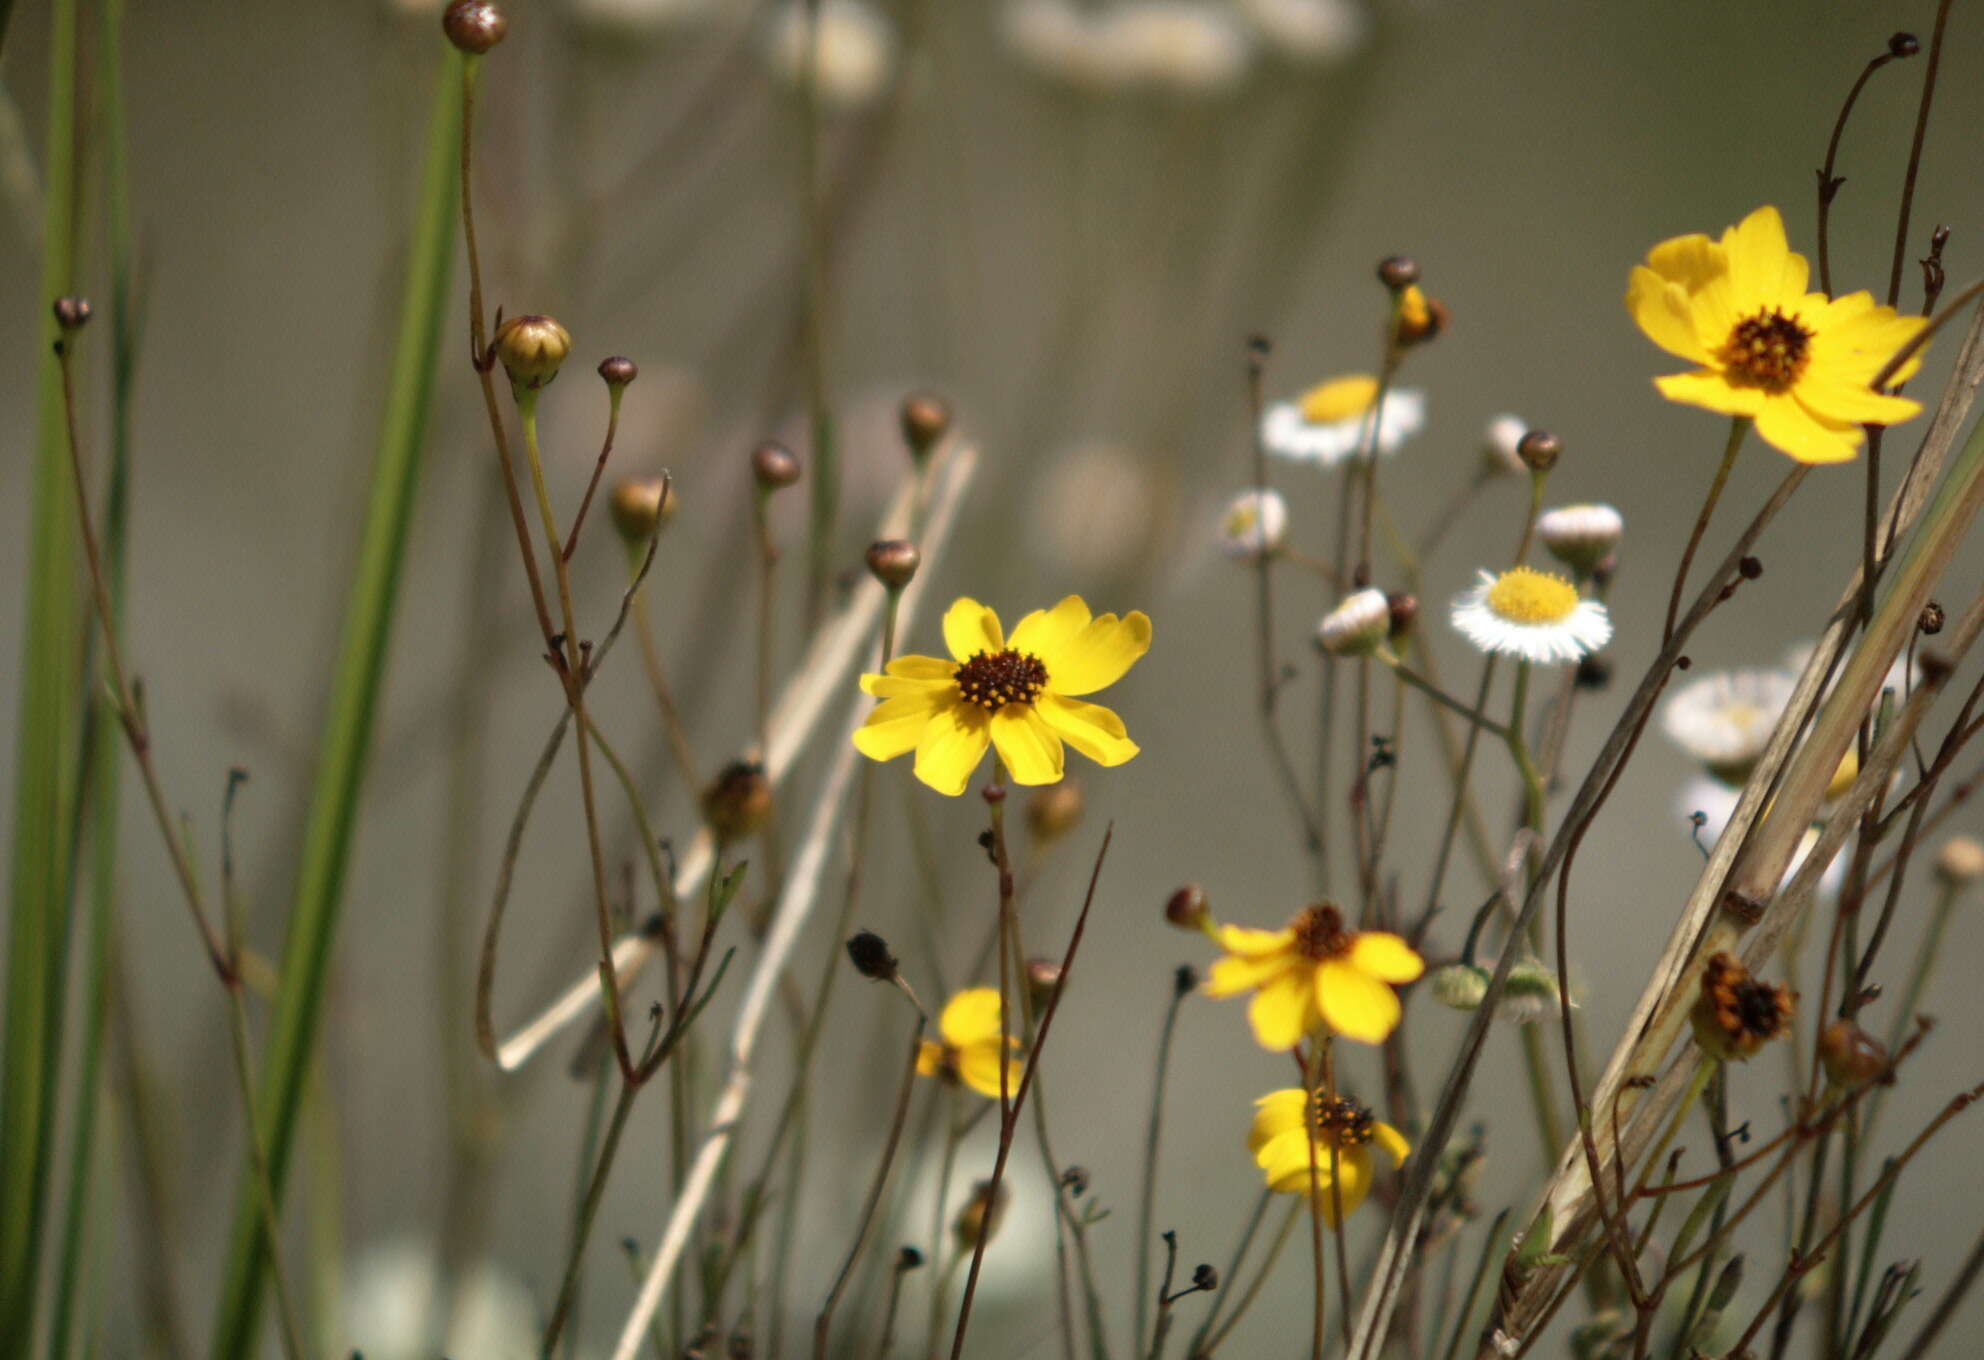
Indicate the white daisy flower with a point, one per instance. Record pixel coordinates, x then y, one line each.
1357 626
1714 801
1325 425
1252 525
1532 614
856 48
1580 536
1321 31
1186 46
1724 719
1499 439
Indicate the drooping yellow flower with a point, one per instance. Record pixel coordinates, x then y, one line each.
1798 363
1287 1123
1017 695
1314 974
970 1049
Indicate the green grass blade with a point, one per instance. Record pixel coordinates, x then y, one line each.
104 752
347 736
45 763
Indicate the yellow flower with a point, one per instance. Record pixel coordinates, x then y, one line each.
1799 363
1286 1125
970 1050
1314 974
1017 695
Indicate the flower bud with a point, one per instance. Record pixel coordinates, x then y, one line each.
639 504
474 26
1205 1276
1904 45
1580 536
893 562
1960 861
909 1258
618 371
1356 626
1252 525
1461 986
1499 440
1852 1057
1043 976
1398 271
1931 620
1404 611
1053 810
1539 450
1187 908
532 349
1184 979
870 956
739 802
926 419
979 1220
774 465
72 313
1420 318
1529 993
1594 672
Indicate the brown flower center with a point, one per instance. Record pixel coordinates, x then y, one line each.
994 679
1319 933
1769 350
1344 1121
1746 1013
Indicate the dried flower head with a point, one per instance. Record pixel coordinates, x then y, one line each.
474 26
740 801
1852 1057
1736 1014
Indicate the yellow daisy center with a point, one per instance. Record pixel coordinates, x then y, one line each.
993 680
1526 595
1241 519
1769 350
1339 399
1319 933
1344 1121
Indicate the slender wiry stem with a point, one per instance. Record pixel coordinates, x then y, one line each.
1226 1279
1929 73
1829 183
1738 427
1253 1288
1147 1192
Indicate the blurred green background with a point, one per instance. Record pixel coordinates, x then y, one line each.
1076 262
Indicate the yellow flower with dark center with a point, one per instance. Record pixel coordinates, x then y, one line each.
1314 974
1016 694
1798 363
970 1049
1287 1124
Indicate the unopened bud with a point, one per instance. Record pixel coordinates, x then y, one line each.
1398 271
1043 979
1205 1277
1539 450
72 313
474 26
1960 861
774 465
532 349
1356 626
1852 1057
1404 610
1530 992
870 956
1594 672
1187 908
618 371
893 562
926 418
1932 619
909 1258
1580 536
1904 45
1460 986
1184 980
1420 318
639 504
979 1220
1053 810
740 801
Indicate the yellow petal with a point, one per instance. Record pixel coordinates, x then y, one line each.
1385 956
1098 655
1712 392
1841 394
1283 1010
929 1058
1093 730
896 726
970 628
978 1067
1045 631
1235 973
1031 751
1248 941
1276 1113
1286 1156
938 675
1689 261
921 668
1355 1004
1788 426
1662 311
1392 1141
1763 272
953 742
971 1017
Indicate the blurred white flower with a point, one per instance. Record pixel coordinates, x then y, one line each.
1325 425
856 48
390 1300
1321 31
641 18
1183 46
1714 801
1252 525
1724 719
1498 445
1357 625
1097 508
